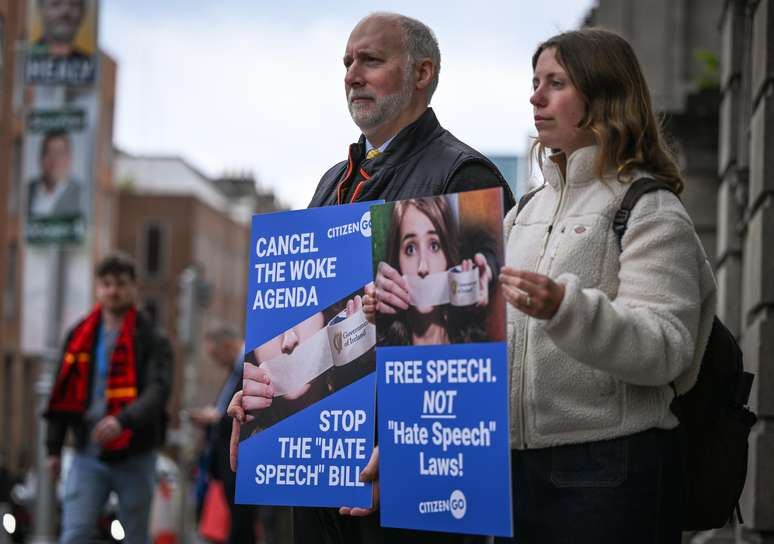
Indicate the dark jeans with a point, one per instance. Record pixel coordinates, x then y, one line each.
627 489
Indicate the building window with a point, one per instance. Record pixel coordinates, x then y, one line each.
154 250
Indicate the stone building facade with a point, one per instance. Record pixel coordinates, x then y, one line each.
745 270
722 125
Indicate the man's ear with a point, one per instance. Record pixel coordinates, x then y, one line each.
424 72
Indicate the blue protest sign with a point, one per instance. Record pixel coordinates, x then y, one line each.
444 447
307 336
443 438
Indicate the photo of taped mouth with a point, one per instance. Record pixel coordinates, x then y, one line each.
423 246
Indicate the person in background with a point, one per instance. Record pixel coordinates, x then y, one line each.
111 390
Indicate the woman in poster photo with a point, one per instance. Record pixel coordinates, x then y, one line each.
424 238
599 333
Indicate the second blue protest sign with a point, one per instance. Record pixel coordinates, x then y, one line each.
442 366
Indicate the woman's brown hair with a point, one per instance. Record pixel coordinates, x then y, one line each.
604 69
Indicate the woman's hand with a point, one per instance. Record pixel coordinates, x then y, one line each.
534 294
391 290
369 474
484 276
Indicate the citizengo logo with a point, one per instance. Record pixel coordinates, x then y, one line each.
365 224
456 504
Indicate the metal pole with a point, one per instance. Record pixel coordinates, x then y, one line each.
44 501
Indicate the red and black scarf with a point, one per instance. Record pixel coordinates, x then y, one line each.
71 390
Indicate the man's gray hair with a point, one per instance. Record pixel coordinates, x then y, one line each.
420 43
222 332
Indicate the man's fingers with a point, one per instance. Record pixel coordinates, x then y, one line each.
233 446
371 470
235 409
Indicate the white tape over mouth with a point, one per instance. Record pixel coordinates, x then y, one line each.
342 341
455 287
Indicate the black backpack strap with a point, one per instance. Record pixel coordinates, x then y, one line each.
526 197
638 188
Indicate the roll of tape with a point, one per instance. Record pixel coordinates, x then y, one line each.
455 286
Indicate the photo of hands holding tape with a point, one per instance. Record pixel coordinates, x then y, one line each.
436 262
320 355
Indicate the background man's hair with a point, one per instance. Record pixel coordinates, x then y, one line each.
222 332
115 264
53 135
420 43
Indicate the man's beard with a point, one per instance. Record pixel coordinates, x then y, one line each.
382 109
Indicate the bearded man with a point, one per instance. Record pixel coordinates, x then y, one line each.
391 67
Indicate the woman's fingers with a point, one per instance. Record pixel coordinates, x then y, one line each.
536 295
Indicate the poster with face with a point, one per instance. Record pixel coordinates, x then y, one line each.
310 352
57 163
442 369
62 48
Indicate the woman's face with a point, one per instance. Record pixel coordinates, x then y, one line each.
558 106
287 342
421 252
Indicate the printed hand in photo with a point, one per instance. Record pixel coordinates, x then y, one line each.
534 294
390 290
484 276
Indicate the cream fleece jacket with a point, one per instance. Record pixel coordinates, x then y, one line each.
631 322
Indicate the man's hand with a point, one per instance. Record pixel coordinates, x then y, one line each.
107 429
208 415
369 474
237 412
391 290
369 303
54 466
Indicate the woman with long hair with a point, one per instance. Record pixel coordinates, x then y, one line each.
600 334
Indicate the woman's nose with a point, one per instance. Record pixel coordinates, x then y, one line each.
537 99
289 342
422 269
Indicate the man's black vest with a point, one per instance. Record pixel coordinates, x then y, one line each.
420 161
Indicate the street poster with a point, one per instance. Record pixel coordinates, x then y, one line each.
306 330
442 369
57 162
62 48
